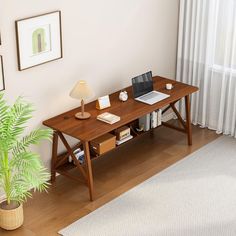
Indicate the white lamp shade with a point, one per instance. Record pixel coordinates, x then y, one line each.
81 91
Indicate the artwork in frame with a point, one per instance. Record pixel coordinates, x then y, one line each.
39 39
2 83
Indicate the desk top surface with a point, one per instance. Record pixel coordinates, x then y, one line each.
86 130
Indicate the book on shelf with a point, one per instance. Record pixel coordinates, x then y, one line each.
79 154
156 117
144 122
108 118
118 142
159 117
151 120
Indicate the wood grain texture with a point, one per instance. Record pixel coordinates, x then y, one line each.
89 169
54 156
188 119
86 130
114 174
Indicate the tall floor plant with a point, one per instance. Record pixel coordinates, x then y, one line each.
20 169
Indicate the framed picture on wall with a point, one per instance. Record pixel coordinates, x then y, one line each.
39 39
2 83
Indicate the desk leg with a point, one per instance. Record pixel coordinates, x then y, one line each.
188 119
89 169
54 156
152 132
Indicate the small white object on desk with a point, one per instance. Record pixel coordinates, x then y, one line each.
169 86
123 96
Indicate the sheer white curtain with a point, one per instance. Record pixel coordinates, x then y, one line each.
207 59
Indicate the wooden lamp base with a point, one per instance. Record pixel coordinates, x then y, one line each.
81 116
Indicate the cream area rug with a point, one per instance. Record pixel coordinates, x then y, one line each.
194 197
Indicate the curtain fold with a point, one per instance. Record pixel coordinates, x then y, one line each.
207 58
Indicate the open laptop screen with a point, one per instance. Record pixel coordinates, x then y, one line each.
142 84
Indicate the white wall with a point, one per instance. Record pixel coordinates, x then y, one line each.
105 42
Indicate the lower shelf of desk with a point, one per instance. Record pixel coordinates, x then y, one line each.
67 166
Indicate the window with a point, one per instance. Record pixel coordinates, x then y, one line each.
225 38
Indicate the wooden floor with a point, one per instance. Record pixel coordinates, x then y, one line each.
114 174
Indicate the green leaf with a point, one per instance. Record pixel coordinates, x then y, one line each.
33 138
20 169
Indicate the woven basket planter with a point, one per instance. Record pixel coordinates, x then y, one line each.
11 219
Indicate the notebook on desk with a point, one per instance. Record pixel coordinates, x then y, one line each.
143 89
108 118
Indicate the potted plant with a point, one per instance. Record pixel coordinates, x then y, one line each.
21 170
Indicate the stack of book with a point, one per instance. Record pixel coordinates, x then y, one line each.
156 117
108 118
151 120
79 154
123 135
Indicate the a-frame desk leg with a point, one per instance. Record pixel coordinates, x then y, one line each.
187 128
54 156
54 161
188 119
89 169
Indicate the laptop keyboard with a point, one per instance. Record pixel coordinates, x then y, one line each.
149 96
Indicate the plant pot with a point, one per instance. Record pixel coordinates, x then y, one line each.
11 219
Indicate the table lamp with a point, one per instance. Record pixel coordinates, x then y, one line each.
82 91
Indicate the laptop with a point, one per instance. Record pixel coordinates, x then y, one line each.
143 89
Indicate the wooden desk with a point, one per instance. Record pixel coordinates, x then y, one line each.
129 111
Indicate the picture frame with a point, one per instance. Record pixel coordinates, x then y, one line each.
39 39
103 102
2 79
